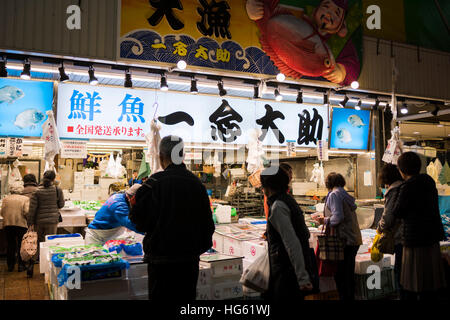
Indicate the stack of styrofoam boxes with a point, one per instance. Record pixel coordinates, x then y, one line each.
78 186
220 275
44 255
137 276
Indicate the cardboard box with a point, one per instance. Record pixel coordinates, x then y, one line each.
253 249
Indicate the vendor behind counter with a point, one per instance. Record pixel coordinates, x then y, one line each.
109 221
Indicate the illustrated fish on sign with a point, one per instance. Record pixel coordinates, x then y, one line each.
29 119
10 94
344 135
355 121
292 43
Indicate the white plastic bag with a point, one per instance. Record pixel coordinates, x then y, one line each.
256 277
29 245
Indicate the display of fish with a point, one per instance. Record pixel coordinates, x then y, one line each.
355 121
293 43
344 135
10 94
29 119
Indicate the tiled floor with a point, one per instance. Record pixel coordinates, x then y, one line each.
16 286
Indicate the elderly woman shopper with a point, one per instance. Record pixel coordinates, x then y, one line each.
422 273
44 210
389 224
292 274
30 185
340 215
14 211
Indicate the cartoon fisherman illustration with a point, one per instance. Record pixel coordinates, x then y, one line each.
298 45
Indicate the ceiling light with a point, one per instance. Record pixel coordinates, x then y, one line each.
423 111
355 85
3 71
278 95
128 83
416 132
358 105
194 89
299 96
222 91
281 77
404 109
343 103
163 85
256 92
440 125
63 77
26 74
181 65
92 79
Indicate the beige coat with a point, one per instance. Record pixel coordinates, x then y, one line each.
14 210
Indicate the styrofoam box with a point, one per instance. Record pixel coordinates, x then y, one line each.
363 261
204 276
77 218
108 289
224 268
233 243
136 271
217 239
253 249
138 287
204 293
227 290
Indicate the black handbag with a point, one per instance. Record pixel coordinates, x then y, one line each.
60 219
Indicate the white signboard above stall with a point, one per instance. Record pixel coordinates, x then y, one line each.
73 149
125 114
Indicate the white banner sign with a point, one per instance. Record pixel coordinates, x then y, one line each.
73 149
125 114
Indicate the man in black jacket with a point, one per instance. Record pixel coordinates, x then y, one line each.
173 209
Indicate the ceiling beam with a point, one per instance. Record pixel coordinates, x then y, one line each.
423 115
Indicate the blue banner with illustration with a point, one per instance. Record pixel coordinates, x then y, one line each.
319 39
23 107
350 129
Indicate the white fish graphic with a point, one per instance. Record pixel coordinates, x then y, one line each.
344 135
355 121
29 119
10 94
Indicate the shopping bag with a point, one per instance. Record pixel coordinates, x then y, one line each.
29 245
326 268
256 277
331 245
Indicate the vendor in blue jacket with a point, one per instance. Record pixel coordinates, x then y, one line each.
134 179
109 221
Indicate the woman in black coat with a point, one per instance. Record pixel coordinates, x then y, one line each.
422 273
292 269
391 178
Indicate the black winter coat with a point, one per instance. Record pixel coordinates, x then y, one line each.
44 205
173 209
283 282
418 208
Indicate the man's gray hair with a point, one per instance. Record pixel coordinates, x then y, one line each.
171 147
